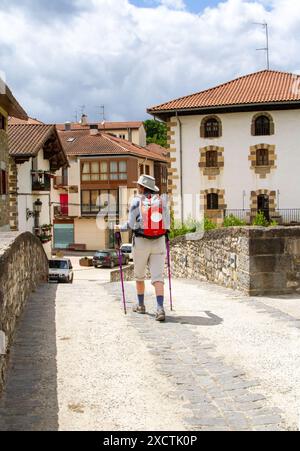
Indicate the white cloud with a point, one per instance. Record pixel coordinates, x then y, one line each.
130 58
173 4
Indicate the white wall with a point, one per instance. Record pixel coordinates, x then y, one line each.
26 198
237 174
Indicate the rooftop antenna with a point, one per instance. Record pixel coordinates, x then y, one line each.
82 109
265 49
102 112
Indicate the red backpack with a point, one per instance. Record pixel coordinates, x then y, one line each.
152 216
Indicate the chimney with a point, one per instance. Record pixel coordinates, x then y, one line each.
67 126
94 129
84 120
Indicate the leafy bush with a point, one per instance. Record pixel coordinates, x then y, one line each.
233 221
190 226
209 224
260 220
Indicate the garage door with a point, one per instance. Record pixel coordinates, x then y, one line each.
63 235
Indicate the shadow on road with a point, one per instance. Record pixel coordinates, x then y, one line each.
209 320
29 401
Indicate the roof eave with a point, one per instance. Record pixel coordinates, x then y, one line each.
174 111
11 105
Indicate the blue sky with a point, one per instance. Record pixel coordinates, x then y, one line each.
59 55
195 6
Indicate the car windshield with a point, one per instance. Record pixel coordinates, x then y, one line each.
58 264
102 254
126 249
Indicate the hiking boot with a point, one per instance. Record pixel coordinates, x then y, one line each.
160 316
141 309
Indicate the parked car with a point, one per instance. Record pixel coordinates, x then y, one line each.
61 271
109 259
127 249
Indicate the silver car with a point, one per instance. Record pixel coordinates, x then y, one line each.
127 249
61 271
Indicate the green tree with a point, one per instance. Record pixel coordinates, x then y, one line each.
156 132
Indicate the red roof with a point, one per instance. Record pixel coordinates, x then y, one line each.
26 140
156 148
263 87
30 121
81 142
108 126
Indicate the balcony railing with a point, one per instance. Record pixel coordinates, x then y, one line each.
62 210
243 215
92 210
287 216
41 181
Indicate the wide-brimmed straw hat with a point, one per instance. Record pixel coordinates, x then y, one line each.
148 182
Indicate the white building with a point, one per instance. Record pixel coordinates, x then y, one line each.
36 153
237 147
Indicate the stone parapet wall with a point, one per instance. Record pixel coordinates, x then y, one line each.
255 260
4 199
23 265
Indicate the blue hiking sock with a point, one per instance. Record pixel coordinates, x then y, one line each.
160 302
141 298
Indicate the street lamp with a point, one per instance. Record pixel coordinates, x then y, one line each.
37 207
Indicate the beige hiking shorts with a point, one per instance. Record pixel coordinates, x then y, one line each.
152 253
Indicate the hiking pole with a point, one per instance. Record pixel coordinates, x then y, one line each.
169 270
119 243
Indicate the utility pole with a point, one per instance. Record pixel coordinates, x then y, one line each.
267 48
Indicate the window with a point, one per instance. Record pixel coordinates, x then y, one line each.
92 201
2 122
147 169
142 169
212 201
103 171
262 126
3 182
212 128
122 136
212 159
262 157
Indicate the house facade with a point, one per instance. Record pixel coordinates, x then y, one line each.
94 193
234 149
133 131
36 154
8 106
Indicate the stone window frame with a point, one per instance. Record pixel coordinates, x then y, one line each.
272 201
272 125
203 123
211 172
216 216
263 171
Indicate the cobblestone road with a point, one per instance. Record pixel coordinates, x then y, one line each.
79 364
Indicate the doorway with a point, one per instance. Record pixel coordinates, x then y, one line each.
263 205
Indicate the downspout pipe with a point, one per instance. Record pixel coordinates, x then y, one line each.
181 166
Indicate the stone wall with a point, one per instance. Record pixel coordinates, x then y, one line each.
4 199
221 256
255 260
23 265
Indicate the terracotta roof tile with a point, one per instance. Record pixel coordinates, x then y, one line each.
257 88
16 121
108 126
81 142
156 148
28 139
